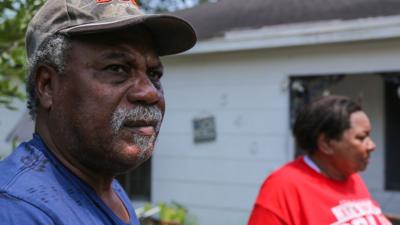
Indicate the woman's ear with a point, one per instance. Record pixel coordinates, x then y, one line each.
324 144
44 81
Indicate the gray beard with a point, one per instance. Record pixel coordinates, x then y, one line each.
139 113
143 143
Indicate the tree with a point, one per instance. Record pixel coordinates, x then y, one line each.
14 18
13 22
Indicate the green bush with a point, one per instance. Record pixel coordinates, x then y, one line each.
167 214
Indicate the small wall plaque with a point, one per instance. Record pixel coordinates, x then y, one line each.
204 129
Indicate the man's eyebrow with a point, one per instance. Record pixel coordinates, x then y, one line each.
116 55
158 65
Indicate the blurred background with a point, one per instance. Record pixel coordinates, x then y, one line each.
232 98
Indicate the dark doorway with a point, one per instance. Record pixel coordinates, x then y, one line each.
137 183
392 134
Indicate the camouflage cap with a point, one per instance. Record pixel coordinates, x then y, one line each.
78 17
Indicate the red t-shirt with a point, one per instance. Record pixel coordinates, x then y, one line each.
298 195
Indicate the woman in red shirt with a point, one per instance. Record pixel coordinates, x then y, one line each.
322 187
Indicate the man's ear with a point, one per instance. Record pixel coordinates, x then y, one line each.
45 79
324 145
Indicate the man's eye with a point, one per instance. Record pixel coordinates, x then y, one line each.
117 68
155 75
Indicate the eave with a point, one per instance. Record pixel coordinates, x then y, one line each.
301 34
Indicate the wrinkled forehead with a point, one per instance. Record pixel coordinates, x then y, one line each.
100 9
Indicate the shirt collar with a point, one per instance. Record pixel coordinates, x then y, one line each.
311 163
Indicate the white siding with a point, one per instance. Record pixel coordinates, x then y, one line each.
247 94
8 120
219 180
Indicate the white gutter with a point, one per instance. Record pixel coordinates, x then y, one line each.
324 32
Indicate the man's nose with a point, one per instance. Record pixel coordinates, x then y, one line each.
143 91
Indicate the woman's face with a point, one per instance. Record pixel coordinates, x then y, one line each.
351 152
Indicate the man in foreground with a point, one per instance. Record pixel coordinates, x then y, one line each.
95 93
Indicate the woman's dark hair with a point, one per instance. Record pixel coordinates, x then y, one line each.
328 115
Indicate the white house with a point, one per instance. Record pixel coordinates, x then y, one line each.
255 62
231 99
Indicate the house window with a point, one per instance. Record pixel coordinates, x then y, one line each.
137 183
392 126
304 89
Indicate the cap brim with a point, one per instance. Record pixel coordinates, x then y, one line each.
171 34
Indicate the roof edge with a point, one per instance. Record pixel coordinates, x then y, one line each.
301 34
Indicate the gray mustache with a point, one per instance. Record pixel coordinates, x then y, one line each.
150 114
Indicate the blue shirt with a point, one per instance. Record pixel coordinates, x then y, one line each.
35 188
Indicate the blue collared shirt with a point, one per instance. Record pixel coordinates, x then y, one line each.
36 188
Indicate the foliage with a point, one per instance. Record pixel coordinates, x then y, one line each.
16 15
175 213
168 214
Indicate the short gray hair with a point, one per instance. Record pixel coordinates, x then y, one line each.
52 52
